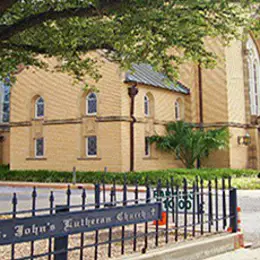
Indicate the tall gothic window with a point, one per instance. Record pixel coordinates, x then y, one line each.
39 107
4 103
177 109
147 147
39 147
91 104
91 146
146 106
256 86
254 73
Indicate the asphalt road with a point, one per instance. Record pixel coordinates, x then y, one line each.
249 201
24 197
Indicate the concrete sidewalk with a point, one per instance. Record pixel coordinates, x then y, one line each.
241 254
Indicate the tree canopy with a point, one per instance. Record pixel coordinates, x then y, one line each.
132 31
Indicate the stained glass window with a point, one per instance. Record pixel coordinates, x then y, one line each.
254 76
39 147
91 146
147 146
146 105
39 107
256 87
177 111
91 104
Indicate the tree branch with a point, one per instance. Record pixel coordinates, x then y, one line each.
23 47
6 4
40 50
7 32
34 20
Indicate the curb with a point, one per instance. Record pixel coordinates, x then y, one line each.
194 250
64 186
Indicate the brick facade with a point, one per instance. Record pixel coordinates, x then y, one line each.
65 125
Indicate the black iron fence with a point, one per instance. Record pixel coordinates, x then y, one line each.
109 221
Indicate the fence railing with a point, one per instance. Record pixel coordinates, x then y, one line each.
110 221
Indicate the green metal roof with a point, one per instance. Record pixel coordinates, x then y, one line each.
145 74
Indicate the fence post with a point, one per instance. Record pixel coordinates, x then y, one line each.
97 205
61 243
233 209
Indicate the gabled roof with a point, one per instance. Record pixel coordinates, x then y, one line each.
145 74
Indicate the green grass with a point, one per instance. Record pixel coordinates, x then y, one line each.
243 179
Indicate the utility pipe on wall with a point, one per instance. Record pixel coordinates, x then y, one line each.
132 92
201 119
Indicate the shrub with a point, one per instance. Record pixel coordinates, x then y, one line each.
189 143
95 177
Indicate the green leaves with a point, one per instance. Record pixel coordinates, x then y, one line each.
134 31
191 143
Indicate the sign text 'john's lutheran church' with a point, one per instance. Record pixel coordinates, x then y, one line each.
19 230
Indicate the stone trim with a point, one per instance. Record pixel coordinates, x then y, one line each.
228 124
40 119
89 159
20 124
150 158
113 119
5 127
36 159
62 121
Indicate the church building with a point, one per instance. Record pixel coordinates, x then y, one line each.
49 122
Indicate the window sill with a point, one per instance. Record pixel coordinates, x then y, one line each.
150 158
36 159
89 159
38 119
90 116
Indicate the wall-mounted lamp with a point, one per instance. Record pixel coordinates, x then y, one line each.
244 140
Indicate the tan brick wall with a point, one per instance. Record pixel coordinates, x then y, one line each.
5 148
125 146
215 96
62 148
65 141
217 159
158 159
226 100
63 98
164 101
253 150
238 153
235 83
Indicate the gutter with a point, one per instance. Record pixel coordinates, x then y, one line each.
201 119
132 92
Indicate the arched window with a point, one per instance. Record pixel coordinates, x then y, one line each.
39 107
254 74
146 106
256 86
177 110
4 102
91 104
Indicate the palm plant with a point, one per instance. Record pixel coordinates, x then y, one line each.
190 143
